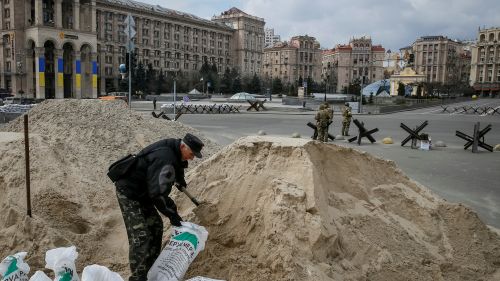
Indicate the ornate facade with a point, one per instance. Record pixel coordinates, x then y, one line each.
299 58
440 59
359 61
248 42
72 48
485 70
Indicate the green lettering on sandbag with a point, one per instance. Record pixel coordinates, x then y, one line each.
12 267
186 236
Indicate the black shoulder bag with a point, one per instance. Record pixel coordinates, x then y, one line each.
121 167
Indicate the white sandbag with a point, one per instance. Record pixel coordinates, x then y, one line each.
200 278
62 262
184 245
14 268
40 276
99 273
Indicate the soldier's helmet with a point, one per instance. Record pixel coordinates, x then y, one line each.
326 104
321 106
346 104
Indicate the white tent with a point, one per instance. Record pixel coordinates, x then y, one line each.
195 92
384 93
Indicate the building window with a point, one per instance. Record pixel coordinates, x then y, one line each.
6 12
7 66
108 70
109 59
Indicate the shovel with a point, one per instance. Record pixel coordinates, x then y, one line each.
191 197
206 212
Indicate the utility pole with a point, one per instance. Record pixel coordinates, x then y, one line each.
130 28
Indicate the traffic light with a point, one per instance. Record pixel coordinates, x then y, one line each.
133 55
411 59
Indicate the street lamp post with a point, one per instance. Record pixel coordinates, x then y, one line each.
20 74
202 85
326 88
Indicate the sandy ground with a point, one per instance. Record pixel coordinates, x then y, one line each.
275 208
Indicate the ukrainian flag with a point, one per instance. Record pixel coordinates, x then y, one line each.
60 75
78 74
94 74
41 71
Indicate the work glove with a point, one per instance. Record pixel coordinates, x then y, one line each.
181 183
175 219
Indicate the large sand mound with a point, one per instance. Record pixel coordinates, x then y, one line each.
72 144
279 209
288 209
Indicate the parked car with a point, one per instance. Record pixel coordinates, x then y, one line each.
242 96
115 96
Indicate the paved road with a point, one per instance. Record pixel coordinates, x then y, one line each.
453 173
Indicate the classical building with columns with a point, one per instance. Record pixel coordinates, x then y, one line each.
485 69
248 41
298 58
72 48
359 61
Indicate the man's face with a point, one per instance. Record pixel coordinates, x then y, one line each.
187 153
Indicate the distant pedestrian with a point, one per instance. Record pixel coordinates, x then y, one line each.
346 122
154 103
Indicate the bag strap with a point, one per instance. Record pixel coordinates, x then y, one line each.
151 151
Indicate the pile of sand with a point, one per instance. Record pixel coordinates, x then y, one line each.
292 209
72 144
277 208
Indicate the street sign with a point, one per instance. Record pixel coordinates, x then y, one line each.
129 20
130 27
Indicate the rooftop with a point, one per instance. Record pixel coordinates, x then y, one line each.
157 9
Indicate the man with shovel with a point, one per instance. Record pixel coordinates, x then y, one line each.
145 189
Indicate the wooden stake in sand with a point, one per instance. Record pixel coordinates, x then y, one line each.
27 158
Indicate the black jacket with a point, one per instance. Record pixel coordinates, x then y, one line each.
152 177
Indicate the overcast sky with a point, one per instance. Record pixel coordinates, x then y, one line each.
392 23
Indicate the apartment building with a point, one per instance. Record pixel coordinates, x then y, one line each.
485 66
440 59
72 48
329 69
270 38
248 39
359 61
290 61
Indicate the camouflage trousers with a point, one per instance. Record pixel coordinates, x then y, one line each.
144 231
322 133
345 127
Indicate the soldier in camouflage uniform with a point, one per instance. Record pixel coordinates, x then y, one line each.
330 115
346 122
322 120
145 189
